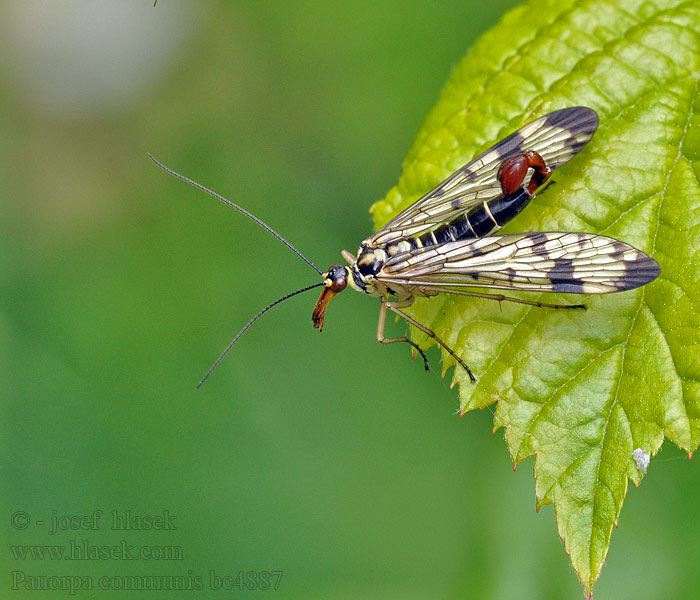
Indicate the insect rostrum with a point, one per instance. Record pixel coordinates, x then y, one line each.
445 243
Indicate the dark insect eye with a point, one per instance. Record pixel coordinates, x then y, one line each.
339 284
339 278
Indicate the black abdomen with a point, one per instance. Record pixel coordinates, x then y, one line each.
479 221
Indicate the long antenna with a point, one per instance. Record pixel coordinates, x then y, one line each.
255 318
238 208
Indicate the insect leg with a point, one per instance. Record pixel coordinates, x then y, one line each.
349 257
392 307
380 330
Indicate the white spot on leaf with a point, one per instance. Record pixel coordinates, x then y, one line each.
642 459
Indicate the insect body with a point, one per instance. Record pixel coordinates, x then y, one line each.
445 243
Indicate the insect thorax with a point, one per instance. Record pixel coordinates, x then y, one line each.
369 263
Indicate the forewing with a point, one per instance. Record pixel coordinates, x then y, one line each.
556 137
579 263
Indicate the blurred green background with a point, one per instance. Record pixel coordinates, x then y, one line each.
121 285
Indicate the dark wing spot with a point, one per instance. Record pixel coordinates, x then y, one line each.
538 238
569 287
562 277
516 142
575 119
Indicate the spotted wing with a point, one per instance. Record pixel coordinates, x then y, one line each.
578 263
556 137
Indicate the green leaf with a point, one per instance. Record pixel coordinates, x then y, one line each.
578 390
